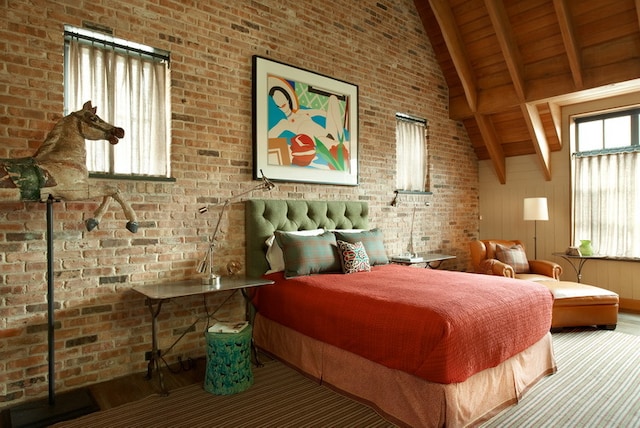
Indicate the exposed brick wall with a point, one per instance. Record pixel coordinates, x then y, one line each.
103 326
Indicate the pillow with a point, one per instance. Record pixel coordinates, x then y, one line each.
513 256
306 255
373 243
274 252
353 257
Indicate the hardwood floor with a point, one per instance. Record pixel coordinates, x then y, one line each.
134 387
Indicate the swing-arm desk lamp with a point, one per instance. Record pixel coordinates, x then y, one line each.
206 264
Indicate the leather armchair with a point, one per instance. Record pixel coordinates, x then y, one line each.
484 260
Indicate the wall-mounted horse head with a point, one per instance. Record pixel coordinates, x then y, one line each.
58 168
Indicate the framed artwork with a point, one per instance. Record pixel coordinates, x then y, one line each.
305 125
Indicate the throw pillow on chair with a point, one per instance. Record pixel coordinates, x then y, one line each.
515 256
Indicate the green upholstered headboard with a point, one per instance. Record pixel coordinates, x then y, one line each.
265 216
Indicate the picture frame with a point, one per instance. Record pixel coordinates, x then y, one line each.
305 125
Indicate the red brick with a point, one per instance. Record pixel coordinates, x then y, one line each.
211 48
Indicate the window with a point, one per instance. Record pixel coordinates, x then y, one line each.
606 196
411 153
128 83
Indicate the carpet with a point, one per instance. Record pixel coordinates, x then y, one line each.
279 397
597 385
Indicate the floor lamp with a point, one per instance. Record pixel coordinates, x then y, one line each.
535 209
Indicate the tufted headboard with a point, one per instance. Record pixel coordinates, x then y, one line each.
265 216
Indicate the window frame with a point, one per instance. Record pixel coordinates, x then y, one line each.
603 220
423 122
135 50
634 115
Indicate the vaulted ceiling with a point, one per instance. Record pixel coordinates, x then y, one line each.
512 64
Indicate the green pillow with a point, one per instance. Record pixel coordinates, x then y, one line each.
373 244
306 255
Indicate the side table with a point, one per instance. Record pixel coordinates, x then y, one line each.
431 261
577 262
157 294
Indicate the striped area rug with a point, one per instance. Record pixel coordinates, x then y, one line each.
279 397
597 385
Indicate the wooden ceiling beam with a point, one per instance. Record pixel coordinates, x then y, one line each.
511 54
538 137
569 40
556 118
500 98
508 45
453 40
493 146
638 11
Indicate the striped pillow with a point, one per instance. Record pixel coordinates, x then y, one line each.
373 242
514 256
354 258
275 258
306 255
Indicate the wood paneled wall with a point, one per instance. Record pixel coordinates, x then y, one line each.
501 210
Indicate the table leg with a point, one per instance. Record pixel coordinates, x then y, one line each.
577 268
250 313
154 360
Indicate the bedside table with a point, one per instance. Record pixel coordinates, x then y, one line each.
431 261
157 294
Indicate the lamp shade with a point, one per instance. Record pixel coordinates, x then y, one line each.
536 209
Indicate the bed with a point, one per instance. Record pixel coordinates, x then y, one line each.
423 347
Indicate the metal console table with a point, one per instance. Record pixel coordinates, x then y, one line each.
431 261
157 294
577 262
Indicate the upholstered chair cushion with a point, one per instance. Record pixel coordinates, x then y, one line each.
484 258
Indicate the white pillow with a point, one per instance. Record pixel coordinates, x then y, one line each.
274 252
349 230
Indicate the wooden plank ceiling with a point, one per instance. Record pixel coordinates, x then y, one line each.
511 64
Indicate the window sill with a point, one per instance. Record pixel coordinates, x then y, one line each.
130 177
409 196
620 259
412 192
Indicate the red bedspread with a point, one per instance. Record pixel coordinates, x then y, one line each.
439 325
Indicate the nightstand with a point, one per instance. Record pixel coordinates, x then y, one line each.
157 294
431 261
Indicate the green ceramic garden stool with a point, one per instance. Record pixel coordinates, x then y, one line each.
228 362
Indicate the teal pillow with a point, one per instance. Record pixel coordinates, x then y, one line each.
306 255
373 244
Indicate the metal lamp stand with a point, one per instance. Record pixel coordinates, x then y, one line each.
68 405
535 240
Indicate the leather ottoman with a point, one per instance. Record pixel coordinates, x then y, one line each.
577 304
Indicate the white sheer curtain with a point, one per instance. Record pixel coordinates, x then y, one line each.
607 203
411 155
130 91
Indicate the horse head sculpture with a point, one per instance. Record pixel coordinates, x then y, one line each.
92 127
58 168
